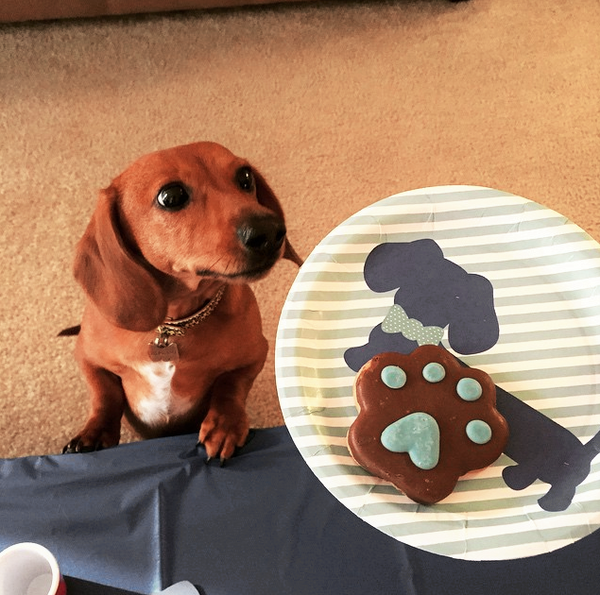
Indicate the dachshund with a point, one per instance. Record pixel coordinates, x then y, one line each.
171 333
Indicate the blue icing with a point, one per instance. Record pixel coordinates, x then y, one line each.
393 376
418 434
469 389
479 431
434 372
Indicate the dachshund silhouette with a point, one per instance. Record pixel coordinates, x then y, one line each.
438 294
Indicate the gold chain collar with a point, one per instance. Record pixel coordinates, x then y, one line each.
172 327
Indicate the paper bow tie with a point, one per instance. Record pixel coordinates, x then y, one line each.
397 321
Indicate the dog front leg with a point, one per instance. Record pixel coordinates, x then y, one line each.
226 425
103 426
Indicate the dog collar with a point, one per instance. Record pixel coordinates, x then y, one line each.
397 321
178 327
162 349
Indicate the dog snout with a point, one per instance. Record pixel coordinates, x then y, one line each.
262 237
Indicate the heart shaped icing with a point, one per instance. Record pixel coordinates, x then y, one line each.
417 434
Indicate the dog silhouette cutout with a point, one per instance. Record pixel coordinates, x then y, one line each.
432 294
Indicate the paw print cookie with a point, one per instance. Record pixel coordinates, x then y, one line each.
424 421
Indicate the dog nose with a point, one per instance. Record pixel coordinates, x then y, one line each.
262 236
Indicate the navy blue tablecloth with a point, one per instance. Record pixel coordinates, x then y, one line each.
143 516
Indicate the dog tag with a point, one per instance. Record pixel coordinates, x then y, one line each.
163 352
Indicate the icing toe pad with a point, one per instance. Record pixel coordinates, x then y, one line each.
418 434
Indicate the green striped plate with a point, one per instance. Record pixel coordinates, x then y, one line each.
546 276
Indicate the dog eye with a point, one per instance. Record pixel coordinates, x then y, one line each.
245 179
172 197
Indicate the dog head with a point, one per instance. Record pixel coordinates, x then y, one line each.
441 292
178 216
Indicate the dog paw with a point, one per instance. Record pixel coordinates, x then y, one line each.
555 501
92 440
517 477
222 432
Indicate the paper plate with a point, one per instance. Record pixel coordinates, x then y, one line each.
545 273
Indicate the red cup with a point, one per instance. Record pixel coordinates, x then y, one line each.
30 569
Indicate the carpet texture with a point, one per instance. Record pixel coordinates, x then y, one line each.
339 104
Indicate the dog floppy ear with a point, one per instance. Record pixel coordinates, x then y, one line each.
473 324
266 197
118 281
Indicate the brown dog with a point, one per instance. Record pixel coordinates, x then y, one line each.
171 333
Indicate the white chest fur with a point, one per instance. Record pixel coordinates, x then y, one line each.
157 402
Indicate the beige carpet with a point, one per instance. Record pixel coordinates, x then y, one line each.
339 104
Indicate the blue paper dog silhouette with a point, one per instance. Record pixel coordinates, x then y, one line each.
438 294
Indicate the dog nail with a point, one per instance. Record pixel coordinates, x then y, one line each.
222 463
208 460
